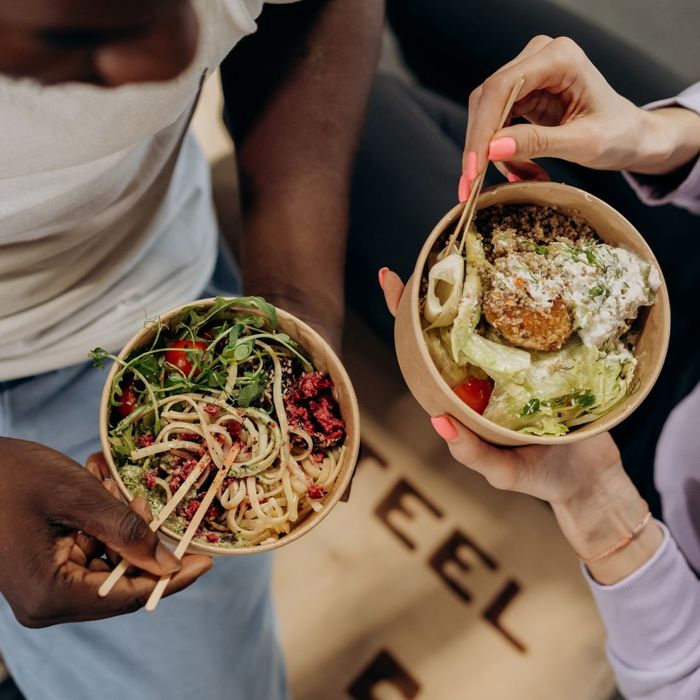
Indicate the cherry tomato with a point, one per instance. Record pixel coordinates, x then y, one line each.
475 393
177 354
128 401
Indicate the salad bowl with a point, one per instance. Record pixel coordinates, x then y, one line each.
652 326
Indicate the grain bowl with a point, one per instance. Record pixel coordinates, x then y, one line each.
548 324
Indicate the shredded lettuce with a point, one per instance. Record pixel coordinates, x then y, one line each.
437 343
561 389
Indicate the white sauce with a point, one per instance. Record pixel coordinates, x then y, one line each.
602 286
604 289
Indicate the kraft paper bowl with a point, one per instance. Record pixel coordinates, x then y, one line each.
431 390
324 359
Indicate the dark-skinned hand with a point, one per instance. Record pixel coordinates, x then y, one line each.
61 530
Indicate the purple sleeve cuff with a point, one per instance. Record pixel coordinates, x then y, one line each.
682 187
653 623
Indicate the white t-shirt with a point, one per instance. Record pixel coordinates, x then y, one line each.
105 204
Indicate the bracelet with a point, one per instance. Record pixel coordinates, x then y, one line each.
633 533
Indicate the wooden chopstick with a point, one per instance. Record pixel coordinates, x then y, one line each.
163 582
465 219
120 569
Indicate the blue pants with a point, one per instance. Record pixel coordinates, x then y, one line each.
217 639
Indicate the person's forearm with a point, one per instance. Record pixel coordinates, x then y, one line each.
669 138
596 521
296 161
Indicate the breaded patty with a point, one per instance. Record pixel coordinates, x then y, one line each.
525 326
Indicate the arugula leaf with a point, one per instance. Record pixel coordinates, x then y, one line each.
98 357
242 350
251 392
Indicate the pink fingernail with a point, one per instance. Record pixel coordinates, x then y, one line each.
471 165
382 272
502 148
512 177
444 428
464 188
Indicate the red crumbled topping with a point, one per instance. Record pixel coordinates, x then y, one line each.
262 500
145 440
188 511
234 428
324 412
213 512
181 473
211 537
212 410
315 491
311 406
317 456
310 385
191 437
149 479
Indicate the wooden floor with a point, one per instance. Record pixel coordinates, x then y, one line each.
429 583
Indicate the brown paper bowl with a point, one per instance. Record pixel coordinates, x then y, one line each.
431 390
323 359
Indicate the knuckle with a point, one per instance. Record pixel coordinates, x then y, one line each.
536 142
568 47
494 83
132 528
539 41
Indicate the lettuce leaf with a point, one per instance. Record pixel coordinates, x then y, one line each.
450 371
562 389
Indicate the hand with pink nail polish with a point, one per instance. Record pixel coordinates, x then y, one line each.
573 114
585 482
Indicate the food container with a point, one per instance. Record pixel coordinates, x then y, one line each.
324 359
431 390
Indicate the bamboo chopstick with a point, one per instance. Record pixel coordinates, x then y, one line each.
120 569
465 219
162 584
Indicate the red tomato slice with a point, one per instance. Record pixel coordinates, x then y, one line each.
128 402
177 354
475 393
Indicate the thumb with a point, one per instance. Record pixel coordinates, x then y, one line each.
392 286
526 141
88 507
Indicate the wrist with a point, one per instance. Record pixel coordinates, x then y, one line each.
603 518
668 139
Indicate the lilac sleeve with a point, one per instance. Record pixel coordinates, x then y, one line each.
653 623
681 188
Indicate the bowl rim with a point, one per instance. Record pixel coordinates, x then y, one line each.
596 427
339 376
